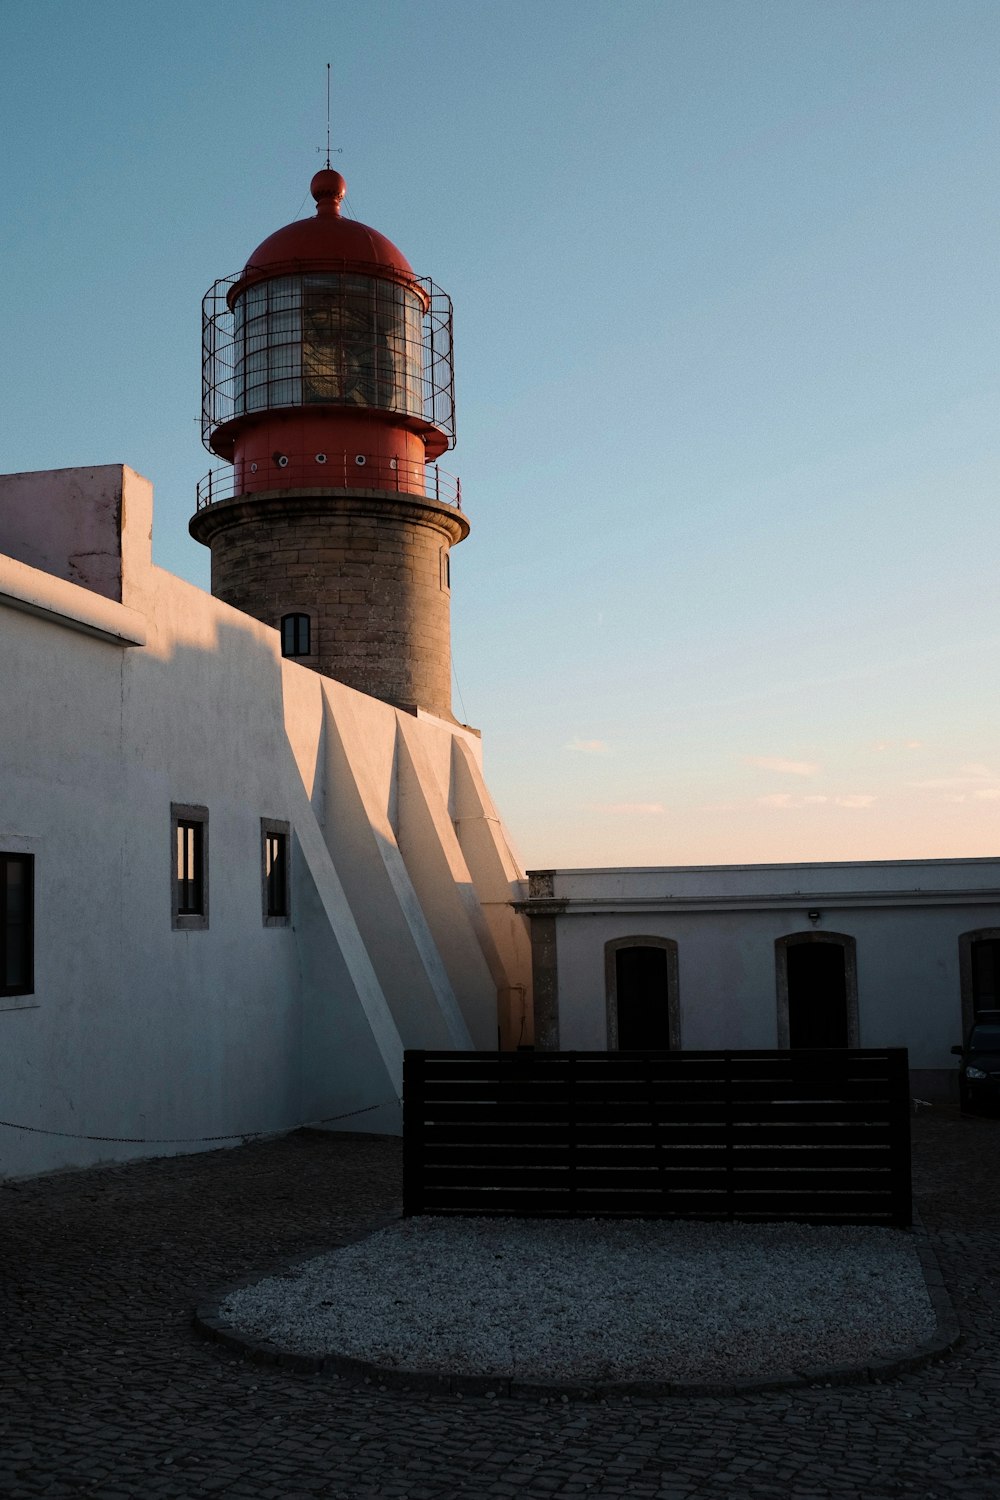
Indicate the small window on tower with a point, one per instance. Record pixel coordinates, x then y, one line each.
296 635
445 568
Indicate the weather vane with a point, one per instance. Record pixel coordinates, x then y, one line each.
336 149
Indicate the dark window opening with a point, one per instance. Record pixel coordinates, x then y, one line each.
985 975
642 995
189 865
16 924
295 635
276 873
190 868
817 995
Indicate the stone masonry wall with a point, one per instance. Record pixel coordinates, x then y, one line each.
371 573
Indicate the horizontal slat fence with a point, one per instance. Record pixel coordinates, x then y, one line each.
822 1137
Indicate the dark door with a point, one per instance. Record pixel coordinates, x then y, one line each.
985 975
817 995
642 989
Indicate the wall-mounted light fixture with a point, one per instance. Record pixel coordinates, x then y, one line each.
814 916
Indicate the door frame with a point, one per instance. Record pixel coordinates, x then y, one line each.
611 985
799 939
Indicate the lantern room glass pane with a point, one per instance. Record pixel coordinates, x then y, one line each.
267 325
332 339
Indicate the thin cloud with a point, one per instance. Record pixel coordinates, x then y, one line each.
791 800
589 747
787 799
988 794
970 776
631 809
783 767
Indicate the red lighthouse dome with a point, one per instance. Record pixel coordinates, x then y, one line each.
329 240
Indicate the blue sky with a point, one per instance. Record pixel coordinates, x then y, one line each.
726 358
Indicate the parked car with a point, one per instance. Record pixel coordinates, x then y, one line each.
979 1069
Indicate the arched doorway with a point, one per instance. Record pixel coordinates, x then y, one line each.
817 990
642 999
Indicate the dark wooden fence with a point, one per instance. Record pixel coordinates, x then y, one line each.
822 1137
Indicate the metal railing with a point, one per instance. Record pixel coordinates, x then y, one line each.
228 348
337 471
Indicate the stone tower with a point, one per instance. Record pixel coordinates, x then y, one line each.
328 386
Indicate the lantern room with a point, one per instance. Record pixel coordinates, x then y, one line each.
327 362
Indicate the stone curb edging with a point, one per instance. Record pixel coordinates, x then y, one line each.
207 1320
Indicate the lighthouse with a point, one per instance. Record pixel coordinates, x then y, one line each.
328 389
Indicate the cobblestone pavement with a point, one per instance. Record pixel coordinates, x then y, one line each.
106 1390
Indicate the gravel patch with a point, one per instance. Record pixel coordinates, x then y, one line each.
599 1299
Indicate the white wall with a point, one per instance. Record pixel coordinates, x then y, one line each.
137 1030
906 919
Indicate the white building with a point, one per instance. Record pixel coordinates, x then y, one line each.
144 718
874 954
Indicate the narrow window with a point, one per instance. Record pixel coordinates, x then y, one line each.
275 883
189 873
445 568
190 885
295 635
274 862
16 924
